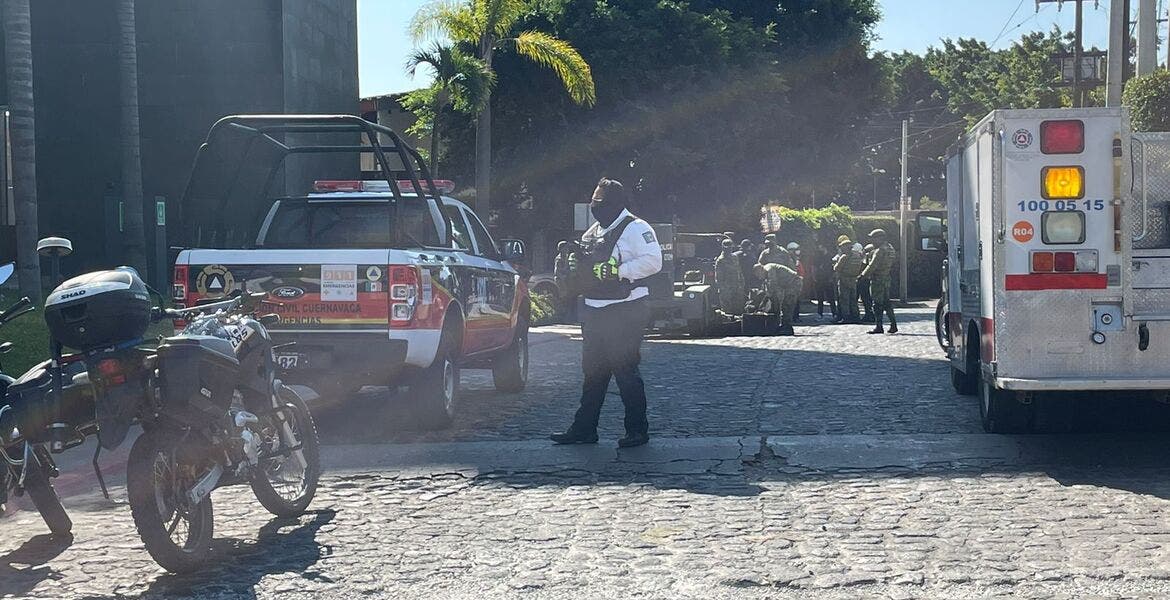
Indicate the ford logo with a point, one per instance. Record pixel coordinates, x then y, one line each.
288 292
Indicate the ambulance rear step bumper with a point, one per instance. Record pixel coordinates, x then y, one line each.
1076 385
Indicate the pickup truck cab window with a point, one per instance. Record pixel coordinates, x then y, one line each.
485 245
460 236
346 223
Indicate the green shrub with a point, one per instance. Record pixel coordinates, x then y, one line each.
544 310
1148 98
815 226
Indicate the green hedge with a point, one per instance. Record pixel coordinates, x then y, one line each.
815 226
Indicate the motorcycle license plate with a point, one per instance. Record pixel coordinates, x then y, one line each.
292 361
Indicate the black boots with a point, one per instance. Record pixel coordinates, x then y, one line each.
633 440
573 437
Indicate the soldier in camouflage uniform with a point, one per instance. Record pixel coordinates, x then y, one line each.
775 254
729 278
863 286
783 284
848 267
878 272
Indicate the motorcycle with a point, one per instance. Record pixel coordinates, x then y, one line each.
27 466
212 409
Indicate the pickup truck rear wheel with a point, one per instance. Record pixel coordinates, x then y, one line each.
436 390
510 369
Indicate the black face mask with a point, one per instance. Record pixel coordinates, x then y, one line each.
605 212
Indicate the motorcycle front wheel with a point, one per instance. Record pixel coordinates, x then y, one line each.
177 535
286 481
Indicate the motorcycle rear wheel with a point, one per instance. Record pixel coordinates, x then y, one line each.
178 537
282 491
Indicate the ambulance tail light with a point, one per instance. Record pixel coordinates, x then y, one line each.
1042 262
1080 261
404 284
1062 137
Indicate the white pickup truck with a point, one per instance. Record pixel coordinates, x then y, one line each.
378 286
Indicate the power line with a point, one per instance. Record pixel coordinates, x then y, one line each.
1003 30
915 134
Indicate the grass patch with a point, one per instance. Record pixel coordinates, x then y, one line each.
30 337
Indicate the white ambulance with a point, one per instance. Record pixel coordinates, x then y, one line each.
1058 259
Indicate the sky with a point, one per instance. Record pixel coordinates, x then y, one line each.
383 42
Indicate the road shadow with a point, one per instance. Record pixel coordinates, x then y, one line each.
284 545
24 568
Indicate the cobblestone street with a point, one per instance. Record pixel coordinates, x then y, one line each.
833 465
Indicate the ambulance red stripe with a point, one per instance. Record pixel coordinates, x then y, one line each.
1056 281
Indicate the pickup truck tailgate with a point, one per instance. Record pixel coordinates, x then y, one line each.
312 291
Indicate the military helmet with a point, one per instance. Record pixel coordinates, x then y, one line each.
793 246
771 237
745 243
844 239
561 245
727 243
869 247
857 247
879 232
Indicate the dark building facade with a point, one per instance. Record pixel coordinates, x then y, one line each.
198 60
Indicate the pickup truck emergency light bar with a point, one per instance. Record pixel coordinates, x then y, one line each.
263 128
444 186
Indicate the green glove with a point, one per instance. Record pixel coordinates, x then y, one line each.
606 271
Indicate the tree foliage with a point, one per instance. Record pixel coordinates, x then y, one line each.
707 108
1148 98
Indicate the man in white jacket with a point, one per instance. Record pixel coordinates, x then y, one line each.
623 253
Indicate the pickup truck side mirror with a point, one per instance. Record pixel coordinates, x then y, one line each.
514 250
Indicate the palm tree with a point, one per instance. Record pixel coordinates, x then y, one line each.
488 26
134 235
18 67
461 81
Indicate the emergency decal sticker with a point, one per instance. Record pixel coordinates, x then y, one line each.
1022 139
373 273
338 283
214 281
1023 232
649 237
427 287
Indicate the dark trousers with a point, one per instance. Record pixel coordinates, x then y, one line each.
612 350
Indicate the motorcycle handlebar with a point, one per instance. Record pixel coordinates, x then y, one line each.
22 306
247 301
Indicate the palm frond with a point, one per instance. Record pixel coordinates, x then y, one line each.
563 59
497 17
445 18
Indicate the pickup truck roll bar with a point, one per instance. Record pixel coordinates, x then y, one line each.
264 128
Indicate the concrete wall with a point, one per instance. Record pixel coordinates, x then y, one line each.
198 60
320 76
75 86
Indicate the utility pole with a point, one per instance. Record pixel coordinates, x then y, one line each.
1078 49
1118 33
1077 79
1147 55
903 210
